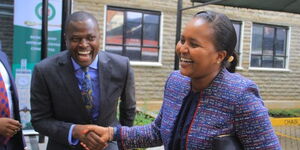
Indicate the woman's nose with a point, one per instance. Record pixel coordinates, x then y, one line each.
184 48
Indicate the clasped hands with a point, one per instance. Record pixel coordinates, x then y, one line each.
93 137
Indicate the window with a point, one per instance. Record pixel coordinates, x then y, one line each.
133 33
237 26
268 46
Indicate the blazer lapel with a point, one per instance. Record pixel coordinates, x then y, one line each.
104 78
67 74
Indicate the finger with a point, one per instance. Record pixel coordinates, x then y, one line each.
92 140
100 143
15 123
10 132
84 146
13 127
97 138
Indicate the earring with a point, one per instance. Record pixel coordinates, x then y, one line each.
230 59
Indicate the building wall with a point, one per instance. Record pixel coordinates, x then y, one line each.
6 27
149 80
279 89
276 87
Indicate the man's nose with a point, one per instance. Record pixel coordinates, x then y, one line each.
83 42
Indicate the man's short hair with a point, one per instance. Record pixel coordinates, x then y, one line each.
79 16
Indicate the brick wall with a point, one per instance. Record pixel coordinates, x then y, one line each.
278 88
6 28
275 86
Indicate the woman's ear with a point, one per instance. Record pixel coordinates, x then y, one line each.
221 56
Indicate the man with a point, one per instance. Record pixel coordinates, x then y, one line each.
81 86
11 137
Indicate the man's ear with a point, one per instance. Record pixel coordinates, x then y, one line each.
221 56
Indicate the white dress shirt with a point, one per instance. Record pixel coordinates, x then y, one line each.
7 87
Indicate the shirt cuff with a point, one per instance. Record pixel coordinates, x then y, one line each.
70 138
117 132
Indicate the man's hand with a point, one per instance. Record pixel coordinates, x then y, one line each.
97 137
88 137
9 127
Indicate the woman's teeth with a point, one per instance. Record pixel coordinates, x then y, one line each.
186 60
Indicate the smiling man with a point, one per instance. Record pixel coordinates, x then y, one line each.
81 86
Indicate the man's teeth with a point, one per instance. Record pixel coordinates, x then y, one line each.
186 60
84 52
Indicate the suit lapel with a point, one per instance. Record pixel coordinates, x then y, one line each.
104 78
67 74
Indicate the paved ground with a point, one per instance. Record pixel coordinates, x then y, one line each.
289 137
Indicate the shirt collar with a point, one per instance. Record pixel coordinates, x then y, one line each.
93 65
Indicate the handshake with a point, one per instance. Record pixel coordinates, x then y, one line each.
93 137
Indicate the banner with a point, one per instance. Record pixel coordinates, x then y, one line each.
27 45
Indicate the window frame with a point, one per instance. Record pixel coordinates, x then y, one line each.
286 48
141 46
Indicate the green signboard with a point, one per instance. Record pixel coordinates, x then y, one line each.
27 45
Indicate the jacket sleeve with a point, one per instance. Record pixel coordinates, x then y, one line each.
42 111
252 123
140 136
128 103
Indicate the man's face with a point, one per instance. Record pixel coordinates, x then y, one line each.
82 40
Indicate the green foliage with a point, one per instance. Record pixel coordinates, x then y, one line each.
284 112
142 118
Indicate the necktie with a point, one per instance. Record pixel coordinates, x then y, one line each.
4 107
87 90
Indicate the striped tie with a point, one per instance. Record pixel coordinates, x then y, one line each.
4 107
87 90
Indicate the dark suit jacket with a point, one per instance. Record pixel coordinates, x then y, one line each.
17 139
56 101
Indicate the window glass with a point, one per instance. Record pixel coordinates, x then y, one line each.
150 54
133 33
279 62
280 41
133 53
151 30
268 40
114 49
133 28
237 27
255 61
114 27
257 38
268 46
267 61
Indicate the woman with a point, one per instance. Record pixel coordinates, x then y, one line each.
204 100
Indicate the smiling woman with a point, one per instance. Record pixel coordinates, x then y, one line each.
205 99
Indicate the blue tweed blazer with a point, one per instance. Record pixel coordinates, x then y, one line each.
231 104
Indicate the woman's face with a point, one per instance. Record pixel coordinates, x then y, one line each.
197 53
